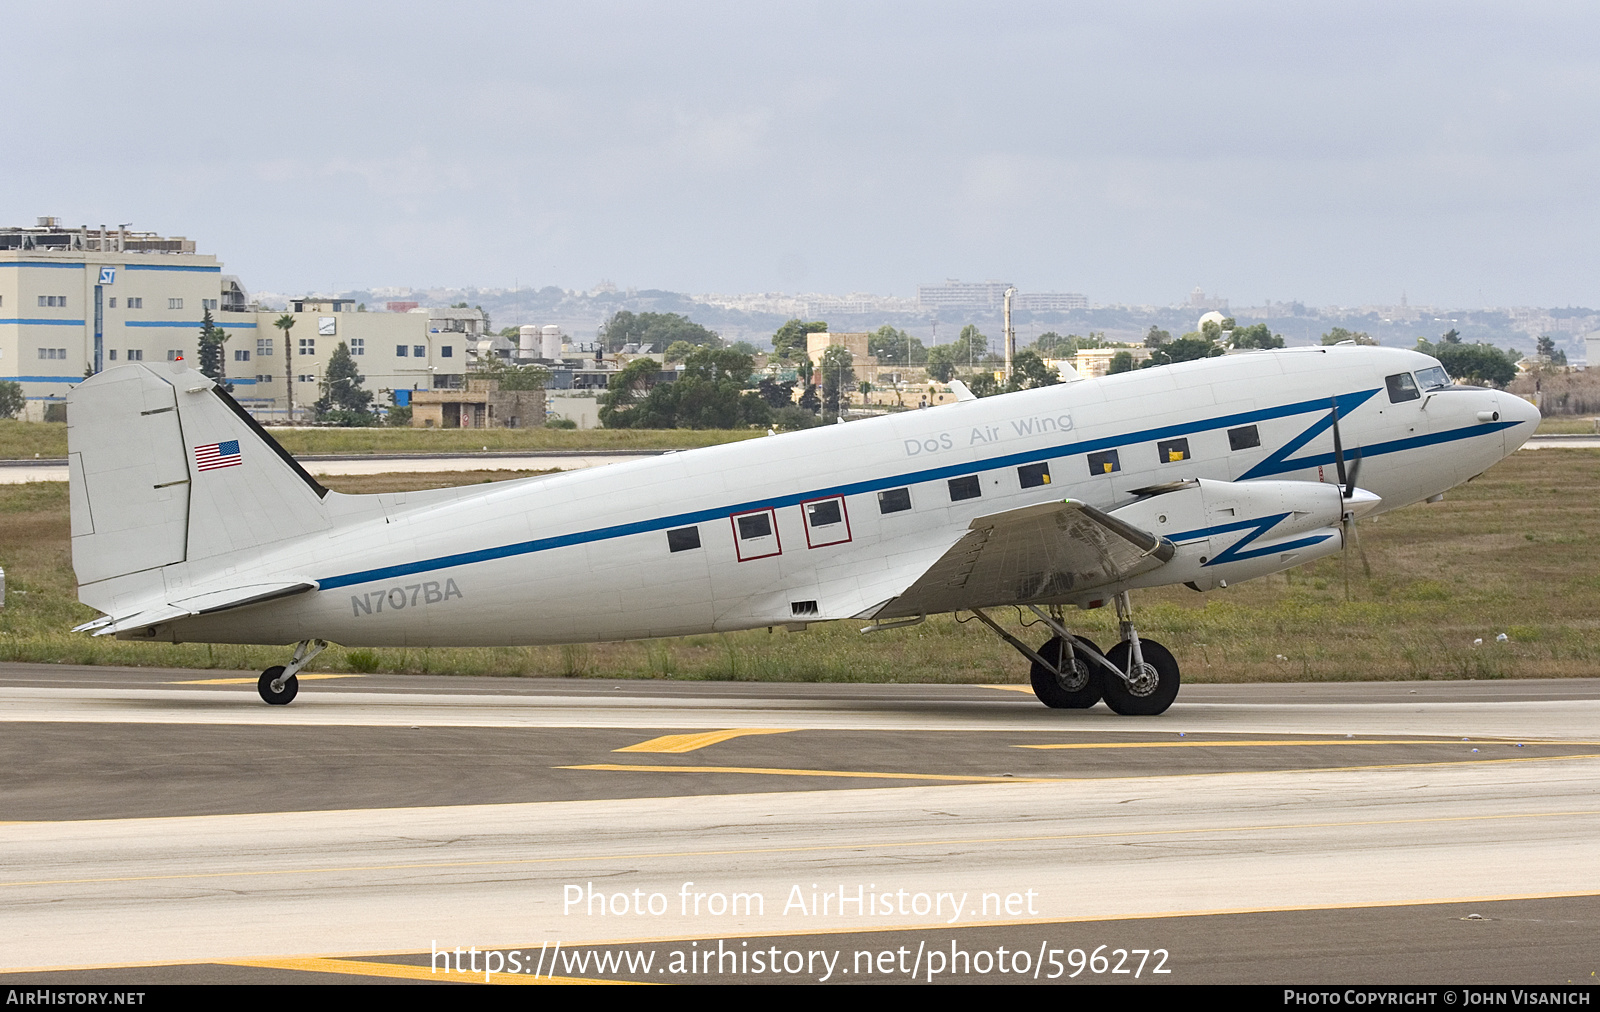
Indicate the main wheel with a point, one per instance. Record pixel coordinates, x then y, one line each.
1076 688
291 685
1151 689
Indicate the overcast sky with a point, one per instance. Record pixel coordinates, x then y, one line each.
1336 153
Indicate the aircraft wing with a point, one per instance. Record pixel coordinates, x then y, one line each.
1038 553
200 604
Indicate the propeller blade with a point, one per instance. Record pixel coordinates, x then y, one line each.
1338 444
1355 469
1366 567
1344 553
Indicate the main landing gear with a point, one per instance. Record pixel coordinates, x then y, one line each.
278 684
1137 677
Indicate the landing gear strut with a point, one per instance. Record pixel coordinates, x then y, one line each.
278 684
1148 674
1137 677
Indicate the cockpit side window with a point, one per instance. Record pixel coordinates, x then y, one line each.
1402 388
1433 379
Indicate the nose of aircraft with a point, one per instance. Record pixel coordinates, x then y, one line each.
1523 415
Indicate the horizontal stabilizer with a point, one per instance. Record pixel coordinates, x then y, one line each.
200 604
1036 554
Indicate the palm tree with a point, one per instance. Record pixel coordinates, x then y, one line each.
285 323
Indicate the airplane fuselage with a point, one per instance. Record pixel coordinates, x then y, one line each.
834 522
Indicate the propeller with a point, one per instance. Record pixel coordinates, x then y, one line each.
1347 483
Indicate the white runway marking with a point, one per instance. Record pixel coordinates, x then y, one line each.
1575 719
222 887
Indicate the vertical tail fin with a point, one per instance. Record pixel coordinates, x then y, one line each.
166 468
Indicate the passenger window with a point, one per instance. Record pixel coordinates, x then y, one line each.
683 539
827 522
1173 450
1034 475
1402 388
965 488
755 535
894 500
1244 438
1104 462
754 526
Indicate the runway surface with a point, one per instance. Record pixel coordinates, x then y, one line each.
165 826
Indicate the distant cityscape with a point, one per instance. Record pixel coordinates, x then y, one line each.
938 311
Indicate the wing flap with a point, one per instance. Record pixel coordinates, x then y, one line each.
1046 552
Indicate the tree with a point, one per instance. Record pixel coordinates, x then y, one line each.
1053 345
653 330
1187 348
1122 361
623 391
12 400
1451 336
343 400
1549 353
1473 363
1157 337
285 323
1339 335
708 394
891 347
942 362
1028 371
838 374
213 356
1257 335
971 347
678 351
777 395
790 339
983 384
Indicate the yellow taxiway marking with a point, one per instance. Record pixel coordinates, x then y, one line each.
251 681
405 971
857 845
691 742
1010 688
861 774
1309 741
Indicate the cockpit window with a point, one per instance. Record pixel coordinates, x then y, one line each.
1433 379
1402 388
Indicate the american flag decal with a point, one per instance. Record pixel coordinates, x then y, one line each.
214 455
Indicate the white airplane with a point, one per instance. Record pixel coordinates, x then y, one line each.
191 524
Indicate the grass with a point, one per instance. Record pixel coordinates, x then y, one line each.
21 440
1512 552
1567 425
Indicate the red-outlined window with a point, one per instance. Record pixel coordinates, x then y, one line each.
755 535
827 521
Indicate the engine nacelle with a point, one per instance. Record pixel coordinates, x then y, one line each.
1230 531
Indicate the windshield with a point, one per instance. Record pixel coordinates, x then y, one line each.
1432 379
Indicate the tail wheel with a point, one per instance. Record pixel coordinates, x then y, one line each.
277 697
1150 689
1078 686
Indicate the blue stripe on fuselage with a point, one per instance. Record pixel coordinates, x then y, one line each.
1347 402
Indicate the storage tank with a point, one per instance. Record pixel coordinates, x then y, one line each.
552 343
527 343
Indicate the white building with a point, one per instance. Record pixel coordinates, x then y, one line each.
74 301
